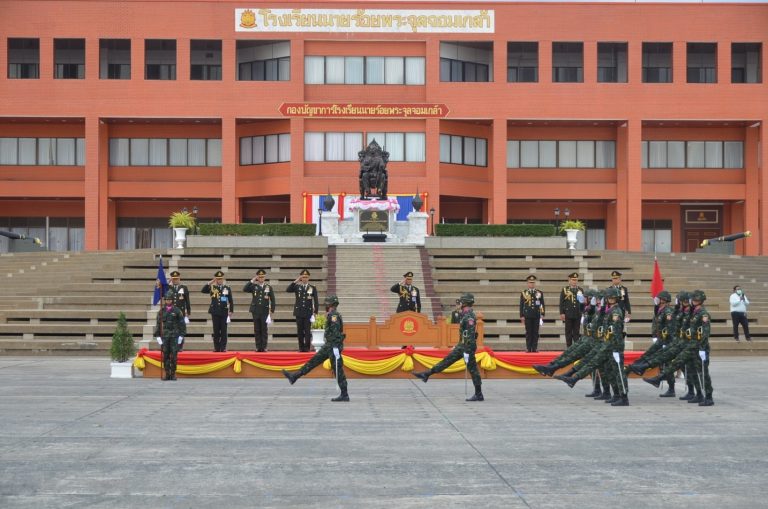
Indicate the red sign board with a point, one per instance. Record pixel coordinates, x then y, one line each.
409 326
363 110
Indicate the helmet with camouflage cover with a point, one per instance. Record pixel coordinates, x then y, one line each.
331 300
612 293
699 295
467 298
169 295
665 296
589 293
682 295
599 294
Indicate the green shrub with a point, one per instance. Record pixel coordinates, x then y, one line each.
182 219
319 322
572 224
495 230
253 229
122 341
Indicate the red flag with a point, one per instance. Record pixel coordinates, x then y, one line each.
657 284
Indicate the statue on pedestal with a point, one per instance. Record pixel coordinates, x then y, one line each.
373 172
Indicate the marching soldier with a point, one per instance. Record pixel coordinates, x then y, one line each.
304 308
334 345
262 307
466 348
623 295
571 308
180 298
410 297
663 333
531 313
221 309
170 330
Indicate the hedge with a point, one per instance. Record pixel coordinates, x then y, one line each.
495 230
252 229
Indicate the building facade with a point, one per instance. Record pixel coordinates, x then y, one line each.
645 120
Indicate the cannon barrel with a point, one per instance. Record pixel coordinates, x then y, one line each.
726 238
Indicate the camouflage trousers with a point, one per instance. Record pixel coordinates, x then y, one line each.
573 353
456 354
652 350
326 352
170 351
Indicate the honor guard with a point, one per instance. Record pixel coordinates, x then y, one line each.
221 309
170 330
331 349
180 298
262 307
623 294
531 313
410 297
571 308
304 308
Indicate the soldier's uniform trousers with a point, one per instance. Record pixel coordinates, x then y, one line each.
326 352
170 351
456 354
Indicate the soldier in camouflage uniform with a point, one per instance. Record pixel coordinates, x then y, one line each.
170 330
331 349
180 298
663 332
262 306
465 348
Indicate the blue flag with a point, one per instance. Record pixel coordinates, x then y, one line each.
161 285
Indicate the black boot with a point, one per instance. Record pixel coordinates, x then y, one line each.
545 370
670 392
655 381
613 399
707 401
478 396
568 373
423 375
567 379
622 401
638 367
688 395
606 395
292 377
597 391
341 397
698 398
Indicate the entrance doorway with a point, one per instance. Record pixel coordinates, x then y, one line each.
700 222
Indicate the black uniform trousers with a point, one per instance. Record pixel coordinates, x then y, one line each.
740 318
219 333
572 329
304 333
532 334
260 332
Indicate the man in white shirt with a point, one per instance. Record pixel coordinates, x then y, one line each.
739 303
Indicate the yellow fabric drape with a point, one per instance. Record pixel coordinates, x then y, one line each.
199 369
271 367
430 361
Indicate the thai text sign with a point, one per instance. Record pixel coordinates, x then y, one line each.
374 221
364 20
357 110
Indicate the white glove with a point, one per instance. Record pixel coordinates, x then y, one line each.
654 339
159 340
541 322
269 319
312 319
186 320
655 301
580 298
229 319
593 301
466 358
181 338
616 357
626 319
581 322
336 353
703 355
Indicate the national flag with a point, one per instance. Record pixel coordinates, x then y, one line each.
657 283
312 202
161 285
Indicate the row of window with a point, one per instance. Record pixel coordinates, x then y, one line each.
320 146
463 150
459 62
693 154
42 151
272 148
164 152
561 154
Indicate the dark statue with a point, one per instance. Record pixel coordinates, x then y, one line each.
373 172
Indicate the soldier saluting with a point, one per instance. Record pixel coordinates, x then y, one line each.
571 308
410 297
623 294
304 308
531 313
221 309
180 298
262 307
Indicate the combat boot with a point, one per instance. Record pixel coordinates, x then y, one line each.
622 401
597 391
606 395
707 401
688 395
567 379
478 396
341 397
545 370
422 375
638 367
568 373
698 398
613 399
292 377
655 381
670 392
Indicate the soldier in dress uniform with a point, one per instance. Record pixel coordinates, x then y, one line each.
531 313
410 297
331 349
262 307
623 295
170 330
466 348
180 298
304 308
221 309
456 313
571 308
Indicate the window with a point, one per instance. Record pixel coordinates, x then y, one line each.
567 62
702 62
745 62
69 59
692 154
401 146
164 152
340 70
611 62
657 62
42 151
466 61
263 60
657 235
522 62
332 146
561 154
160 59
463 150
115 59
205 60
23 59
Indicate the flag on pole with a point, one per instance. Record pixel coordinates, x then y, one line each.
657 284
161 285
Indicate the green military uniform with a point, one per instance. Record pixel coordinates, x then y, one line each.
180 299
222 305
571 308
170 330
466 348
409 295
262 305
663 332
531 314
331 349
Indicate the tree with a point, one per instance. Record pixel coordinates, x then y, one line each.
122 341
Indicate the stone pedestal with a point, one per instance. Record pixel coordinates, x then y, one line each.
330 223
417 228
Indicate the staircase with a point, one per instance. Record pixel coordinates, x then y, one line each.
365 273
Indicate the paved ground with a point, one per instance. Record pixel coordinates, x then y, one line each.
72 437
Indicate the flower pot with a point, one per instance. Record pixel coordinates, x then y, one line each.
181 237
318 338
122 369
571 237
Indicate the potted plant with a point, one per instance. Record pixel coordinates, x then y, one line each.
318 331
181 222
572 227
122 350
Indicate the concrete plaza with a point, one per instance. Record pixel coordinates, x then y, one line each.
72 437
